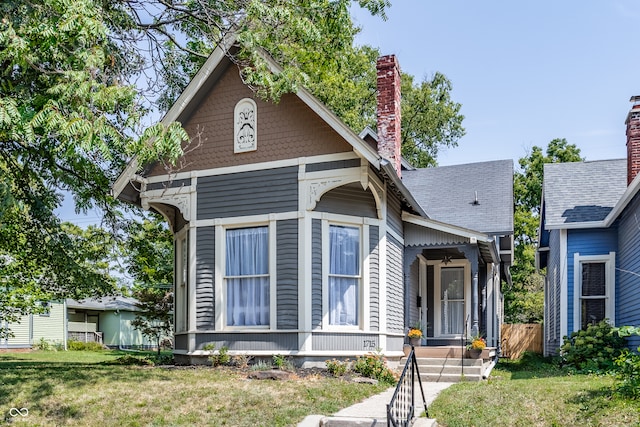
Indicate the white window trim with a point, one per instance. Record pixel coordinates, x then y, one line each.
363 289
610 283
437 276
220 276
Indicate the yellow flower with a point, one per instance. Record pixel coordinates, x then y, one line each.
414 333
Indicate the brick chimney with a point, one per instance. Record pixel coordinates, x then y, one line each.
388 111
633 139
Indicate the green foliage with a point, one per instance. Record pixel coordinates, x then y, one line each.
129 359
374 365
221 357
261 365
282 362
524 303
155 316
336 367
628 366
592 350
73 345
44 345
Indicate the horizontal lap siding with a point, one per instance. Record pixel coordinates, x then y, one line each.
205 265
628 259
394 213
395 286
316 274
553 309
287 274
585 242
253 341
338 164
181 342
248 193
176 183
374 278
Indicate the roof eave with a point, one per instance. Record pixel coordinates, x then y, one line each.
626 198
391 174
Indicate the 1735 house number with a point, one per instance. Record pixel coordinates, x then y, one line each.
369 344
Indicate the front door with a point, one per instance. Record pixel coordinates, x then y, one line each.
452 288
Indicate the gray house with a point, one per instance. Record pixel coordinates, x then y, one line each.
296 235
589 242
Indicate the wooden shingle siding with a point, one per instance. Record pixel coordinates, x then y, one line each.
628 297
338 164
374 277
394 213
176 183
286 130
205 265
395 286
287 274
316 273
287 341
248 193
345 342
585 242
348 199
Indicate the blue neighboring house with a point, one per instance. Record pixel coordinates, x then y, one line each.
589 241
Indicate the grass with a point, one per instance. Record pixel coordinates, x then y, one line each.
535 392
85 389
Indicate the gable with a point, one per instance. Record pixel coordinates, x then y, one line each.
286 130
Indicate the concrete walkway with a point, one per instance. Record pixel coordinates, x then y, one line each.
373 411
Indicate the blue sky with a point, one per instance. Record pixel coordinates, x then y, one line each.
524 72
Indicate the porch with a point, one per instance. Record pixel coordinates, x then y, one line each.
452 363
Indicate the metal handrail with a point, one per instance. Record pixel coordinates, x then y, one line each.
401 408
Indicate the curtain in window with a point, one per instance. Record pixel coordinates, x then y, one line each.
452 300
247 271
344 275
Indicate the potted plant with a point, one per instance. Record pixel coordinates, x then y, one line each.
476 346
415 335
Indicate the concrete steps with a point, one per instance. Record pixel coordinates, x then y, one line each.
450 370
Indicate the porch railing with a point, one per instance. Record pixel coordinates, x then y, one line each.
85 336
401 408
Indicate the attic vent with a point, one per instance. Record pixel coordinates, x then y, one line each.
245 128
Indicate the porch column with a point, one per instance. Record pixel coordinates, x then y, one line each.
472 254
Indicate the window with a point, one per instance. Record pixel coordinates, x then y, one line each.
46 309
452 300
344 275
593 295
247 276
594 298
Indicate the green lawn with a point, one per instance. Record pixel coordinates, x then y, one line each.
83 389
535 394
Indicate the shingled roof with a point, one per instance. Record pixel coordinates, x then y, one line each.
582 192
476 196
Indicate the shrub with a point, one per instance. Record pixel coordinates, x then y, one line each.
592 350
282 362
129 359
44 345
336 367
163 359
84 346
261 365
221 357
241 360
628 367
374 365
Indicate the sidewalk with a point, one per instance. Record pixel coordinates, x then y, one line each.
373 411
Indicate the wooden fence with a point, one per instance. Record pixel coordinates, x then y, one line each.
520 337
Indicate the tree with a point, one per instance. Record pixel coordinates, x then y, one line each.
524 303
148 253
155 318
